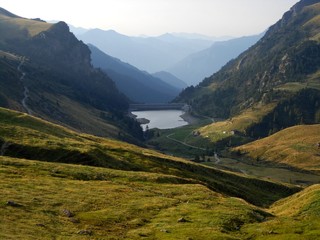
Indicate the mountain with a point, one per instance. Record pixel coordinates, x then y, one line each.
199 65
151 54
139 86
47 72
295 147
170 79
273 85
200 36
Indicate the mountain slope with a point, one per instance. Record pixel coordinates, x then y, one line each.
23 136
81 202
150 54
138 86
138 192
197 66
170 79
281 69
296 146
296 217
51 76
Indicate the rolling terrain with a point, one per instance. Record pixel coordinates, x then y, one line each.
66 174
295 146
126 192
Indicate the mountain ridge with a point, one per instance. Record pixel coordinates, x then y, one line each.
139 86
149 54
275 70
195 67
61 82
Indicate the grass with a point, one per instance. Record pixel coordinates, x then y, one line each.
209 135
297 218
267 171
240 122
17 27
139 193
65 201
297 86
23 136
183 134
110 204
295 146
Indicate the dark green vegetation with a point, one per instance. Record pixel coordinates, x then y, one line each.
281 70
137 194
139 86
59 83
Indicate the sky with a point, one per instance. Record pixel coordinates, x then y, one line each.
155 17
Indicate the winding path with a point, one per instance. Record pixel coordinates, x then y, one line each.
4 148
183 143
216 157
26 90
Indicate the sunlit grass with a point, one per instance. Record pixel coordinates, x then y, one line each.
15 25
109 204
296 146
224 129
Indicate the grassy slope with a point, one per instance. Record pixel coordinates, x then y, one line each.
14 25
112 204
294 146
211 135
54 107
66 201
241 122
297 218
28 137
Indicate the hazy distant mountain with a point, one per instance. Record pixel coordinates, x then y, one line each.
170 79
152 54
77 30
195 67
276 80
201 36
137 85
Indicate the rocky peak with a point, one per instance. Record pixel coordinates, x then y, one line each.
7 13
294 11
59 47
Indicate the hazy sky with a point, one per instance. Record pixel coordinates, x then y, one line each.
155 17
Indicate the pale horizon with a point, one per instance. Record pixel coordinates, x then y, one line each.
214 18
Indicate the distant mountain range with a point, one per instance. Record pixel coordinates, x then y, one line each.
195 67
139 86
170 79
151 54
46 71
274 84
189 57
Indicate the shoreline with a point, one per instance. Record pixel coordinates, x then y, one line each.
189 118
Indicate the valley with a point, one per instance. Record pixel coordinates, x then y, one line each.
92 147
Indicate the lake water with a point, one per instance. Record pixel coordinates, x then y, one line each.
162 119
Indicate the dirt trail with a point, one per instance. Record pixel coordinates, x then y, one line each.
183 143
26 90
4 148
